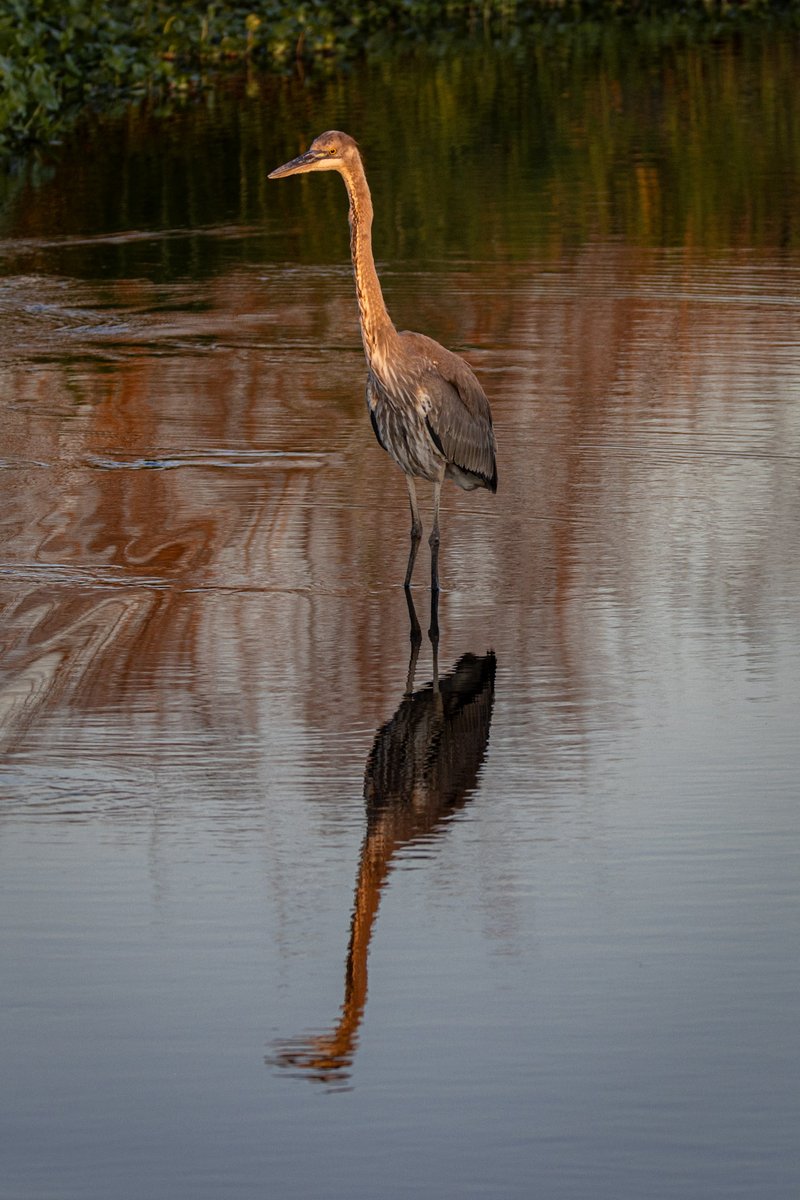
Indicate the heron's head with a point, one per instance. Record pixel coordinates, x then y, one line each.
331 151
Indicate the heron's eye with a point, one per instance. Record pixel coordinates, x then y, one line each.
332 151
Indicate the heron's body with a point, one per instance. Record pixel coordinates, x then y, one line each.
428 410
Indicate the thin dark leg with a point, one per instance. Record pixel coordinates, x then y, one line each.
433 540
415 637
433 634
416 529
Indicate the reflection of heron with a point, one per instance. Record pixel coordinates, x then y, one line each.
427 408
422 768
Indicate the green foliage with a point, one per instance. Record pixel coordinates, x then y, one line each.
57 56
499 154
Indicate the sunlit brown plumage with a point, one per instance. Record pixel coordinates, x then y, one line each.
427 408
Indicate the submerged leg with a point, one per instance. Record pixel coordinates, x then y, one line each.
433 540
416 529
415 638
433 634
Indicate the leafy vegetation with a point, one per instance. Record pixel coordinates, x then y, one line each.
57 56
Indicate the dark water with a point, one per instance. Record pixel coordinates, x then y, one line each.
279 919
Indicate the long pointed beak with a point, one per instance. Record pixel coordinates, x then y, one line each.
304 162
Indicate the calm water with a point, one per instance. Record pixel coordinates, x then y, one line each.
278 918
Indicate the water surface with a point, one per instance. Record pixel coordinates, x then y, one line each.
281 915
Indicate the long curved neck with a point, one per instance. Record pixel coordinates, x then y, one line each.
376 324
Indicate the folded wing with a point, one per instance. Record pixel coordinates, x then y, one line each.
458 416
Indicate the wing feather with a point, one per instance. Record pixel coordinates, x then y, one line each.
457 414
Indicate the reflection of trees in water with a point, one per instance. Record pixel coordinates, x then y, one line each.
421 769
588 398
686 148
639 471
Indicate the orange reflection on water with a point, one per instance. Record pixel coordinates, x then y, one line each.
170 458
421 770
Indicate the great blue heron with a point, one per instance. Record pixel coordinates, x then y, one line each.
427 408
